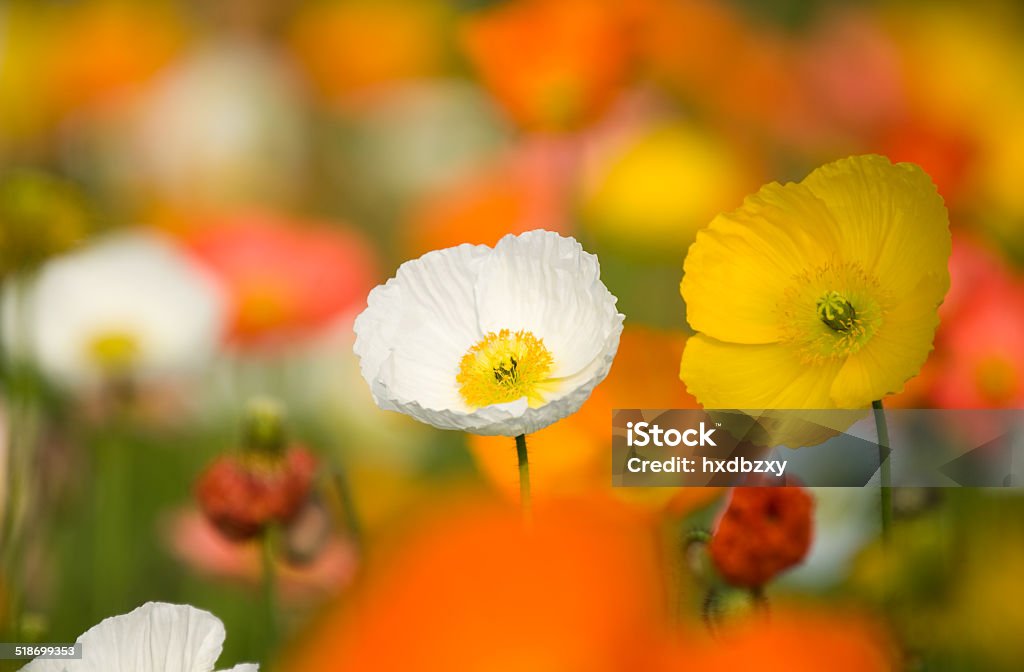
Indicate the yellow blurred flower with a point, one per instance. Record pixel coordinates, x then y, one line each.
818 294
25 43
962 74
657 191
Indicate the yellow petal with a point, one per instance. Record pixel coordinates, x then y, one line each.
897 350
890 218
767 376
738 269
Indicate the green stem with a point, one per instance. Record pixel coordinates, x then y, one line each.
524 476
882 430
760 599
709 608
348 505
19 396
269 586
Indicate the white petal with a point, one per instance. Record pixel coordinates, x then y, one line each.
546 284
244 667
156 637
417 327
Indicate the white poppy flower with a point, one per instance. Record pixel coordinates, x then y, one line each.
129 304
490 341
222 126
156 637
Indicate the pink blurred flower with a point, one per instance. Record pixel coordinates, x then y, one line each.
285 279
979 348
984 351
973 269
198 544
852 72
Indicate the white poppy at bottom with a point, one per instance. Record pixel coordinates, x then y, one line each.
156 637
494 341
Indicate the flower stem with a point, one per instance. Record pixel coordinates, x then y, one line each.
524 476
347 504
20 413
269 586
882 430
709 608
760 600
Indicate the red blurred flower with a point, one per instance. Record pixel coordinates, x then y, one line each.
762 532
946 154
555 65
242 495
285 280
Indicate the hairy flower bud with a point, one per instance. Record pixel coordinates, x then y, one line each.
242 495
762 532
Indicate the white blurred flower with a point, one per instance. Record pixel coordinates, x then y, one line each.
490 341
130 304
156 637
224 126
416 138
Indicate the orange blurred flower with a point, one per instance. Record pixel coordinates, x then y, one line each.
350 46
528 190
763 531
286 280
709 54
793 641
104 49
475 590
555 65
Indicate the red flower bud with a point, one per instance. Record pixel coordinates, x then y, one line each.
241 495
762 532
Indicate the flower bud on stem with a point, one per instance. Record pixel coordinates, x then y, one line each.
263 430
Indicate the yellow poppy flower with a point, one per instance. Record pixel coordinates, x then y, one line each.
818 294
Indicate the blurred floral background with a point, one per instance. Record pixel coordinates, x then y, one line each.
197 197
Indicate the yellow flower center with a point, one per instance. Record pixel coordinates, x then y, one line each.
836 312
503 367
114 351
833 311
